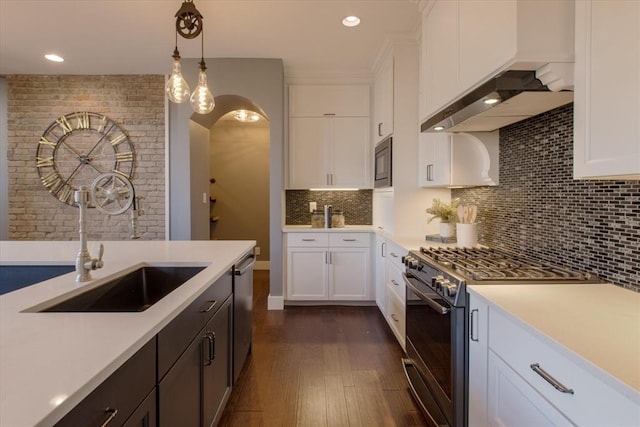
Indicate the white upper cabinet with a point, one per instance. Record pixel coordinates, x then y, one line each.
607 90
329 137
464 43
383 100
329 100
458 159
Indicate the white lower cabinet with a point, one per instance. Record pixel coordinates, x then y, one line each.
380 269
518 377
392 288
513 402
329 266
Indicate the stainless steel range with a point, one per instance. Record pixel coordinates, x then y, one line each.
437 319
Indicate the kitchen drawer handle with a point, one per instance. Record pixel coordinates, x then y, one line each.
208 309
472 320
394 317
210 348
394 255
349 240
394 282
548 378
308 240
112 414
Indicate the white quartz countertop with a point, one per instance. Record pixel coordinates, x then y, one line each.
50 361
600 323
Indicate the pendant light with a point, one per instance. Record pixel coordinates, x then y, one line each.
189 25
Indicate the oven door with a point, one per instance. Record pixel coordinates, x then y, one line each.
435 349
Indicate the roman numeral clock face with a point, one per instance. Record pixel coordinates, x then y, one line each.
78 147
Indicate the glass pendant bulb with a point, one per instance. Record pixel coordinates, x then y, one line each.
176 87
202 101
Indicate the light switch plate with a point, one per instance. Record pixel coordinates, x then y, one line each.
313 206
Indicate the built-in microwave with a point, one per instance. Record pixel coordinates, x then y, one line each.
382 166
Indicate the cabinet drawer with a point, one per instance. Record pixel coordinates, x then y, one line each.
307 239
395 253
520 348
176 336
395 281
349 240
121 393
396 315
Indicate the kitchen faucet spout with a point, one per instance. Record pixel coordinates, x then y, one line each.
84 262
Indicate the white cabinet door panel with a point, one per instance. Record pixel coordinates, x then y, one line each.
607 90
350 152
307 274
349 274
514 403
308 152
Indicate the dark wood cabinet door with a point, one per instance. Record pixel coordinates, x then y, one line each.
145 414
179 390
216 370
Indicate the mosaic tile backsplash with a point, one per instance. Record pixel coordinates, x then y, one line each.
357 206
538 209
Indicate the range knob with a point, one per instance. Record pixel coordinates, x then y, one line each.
438 282
450 289
411 262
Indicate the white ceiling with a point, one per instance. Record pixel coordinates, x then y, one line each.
138 36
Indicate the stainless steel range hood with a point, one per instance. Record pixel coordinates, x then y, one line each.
518 94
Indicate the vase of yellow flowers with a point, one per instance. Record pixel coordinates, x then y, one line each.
447 214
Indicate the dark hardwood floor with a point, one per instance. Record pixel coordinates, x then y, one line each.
320 366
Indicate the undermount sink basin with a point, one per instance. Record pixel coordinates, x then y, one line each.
133 292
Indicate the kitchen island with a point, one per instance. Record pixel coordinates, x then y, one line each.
49 362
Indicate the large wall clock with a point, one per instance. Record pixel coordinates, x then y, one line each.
78 147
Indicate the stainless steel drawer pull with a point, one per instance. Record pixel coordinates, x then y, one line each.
308 240
210 307
349 240
112 414
394 255
548 378
472 320
394 317
395 283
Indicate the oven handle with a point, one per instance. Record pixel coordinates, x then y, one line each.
430 302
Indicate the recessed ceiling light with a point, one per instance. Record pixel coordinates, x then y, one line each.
246 116
438 128
351 21
54 58
491 101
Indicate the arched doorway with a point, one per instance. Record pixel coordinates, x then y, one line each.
239 138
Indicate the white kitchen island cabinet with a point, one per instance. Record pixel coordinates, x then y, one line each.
550 367
464 43
607 84
328 266
329 143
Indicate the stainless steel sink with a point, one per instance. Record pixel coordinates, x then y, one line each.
133 292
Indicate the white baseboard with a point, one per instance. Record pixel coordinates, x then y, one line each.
262 265
275 302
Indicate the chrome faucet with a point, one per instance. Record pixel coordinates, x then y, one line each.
84 262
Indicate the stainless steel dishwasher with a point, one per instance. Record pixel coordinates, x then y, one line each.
242 311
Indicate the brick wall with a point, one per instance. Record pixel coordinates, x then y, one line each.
538 209
135 103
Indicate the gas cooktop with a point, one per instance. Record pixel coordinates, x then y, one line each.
496 265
